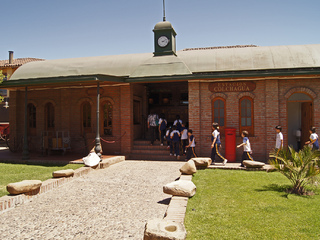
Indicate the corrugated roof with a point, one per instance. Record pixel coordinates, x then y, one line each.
187 63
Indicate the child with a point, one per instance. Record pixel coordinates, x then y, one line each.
178 123
215 138
313 139
246 155
191 147
175 137
162 127
169 142
184 138
279 139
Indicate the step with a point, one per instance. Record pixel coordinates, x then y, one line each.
157 157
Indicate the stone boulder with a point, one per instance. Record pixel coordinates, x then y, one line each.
91 160
253 164
23 186
63 173
182 188
202 163
161 229
188 168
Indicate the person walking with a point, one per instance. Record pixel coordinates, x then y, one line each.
153 121
215 138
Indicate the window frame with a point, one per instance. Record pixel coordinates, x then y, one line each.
86 117
110 127
221 128
32 119
49 116
249 129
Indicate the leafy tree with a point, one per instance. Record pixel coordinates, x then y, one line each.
301 168
1 79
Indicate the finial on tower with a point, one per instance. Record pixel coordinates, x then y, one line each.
164 11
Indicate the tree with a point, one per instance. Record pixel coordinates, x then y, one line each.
301 168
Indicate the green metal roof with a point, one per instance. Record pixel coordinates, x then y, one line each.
188 64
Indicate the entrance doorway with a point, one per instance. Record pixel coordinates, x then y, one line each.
300 119
168 98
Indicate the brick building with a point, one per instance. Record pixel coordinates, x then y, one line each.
244 87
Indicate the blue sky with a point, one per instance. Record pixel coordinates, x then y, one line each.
77 28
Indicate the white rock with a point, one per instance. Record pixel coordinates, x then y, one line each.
253 164
23 186
91 160
63 173
188 168
182 188
202 162
161 229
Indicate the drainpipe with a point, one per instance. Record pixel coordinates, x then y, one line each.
25 152
97 148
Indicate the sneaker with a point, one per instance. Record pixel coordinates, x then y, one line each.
178 157
175 155
161 144
225 161
213 163
170 154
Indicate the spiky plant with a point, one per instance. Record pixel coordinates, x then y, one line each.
300 167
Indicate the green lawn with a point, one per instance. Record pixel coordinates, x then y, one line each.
249 205
10 173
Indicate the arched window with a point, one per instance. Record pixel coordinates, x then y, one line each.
246 115
86 116
219 112
32 122
107 118
49 116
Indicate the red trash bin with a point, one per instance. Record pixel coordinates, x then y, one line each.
230 145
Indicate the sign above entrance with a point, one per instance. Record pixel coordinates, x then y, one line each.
244 86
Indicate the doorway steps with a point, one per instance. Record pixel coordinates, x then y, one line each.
142 150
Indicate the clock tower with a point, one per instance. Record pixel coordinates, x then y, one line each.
164 39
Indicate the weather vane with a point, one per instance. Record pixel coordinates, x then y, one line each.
164 11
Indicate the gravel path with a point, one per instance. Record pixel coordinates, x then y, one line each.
112 203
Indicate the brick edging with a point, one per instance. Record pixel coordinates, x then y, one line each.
176 210
11 201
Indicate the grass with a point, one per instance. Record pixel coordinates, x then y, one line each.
249 205
10 173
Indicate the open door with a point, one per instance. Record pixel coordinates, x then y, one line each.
306 121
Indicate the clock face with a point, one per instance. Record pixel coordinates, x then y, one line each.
163 41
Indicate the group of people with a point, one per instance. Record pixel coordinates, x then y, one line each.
178 136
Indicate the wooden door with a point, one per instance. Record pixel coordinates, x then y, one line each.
306 120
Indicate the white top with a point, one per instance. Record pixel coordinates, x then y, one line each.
193 143
176 122
279 137
246 146
215 133
313 136
184 134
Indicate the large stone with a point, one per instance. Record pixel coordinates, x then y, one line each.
188 168
253 164
63 173
23 186
202 163
161 229
182 188
91 160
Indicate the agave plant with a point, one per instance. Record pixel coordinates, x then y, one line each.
300 168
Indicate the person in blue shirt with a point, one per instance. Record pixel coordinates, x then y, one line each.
215 138
175 137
